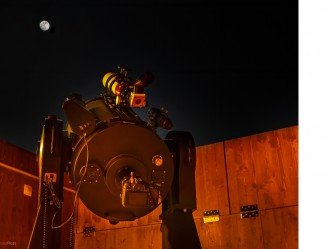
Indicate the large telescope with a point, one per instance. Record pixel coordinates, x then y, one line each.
119 166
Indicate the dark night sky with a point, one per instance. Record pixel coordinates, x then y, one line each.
222 70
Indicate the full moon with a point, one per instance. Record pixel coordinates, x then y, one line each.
44 25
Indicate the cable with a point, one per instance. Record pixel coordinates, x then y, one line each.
77 189
55 200
34 225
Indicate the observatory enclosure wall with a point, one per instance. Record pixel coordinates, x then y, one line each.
19 197
260 170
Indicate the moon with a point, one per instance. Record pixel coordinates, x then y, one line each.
44 25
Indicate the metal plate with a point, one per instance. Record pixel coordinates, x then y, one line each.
211 216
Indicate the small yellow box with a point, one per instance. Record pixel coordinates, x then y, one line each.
27 190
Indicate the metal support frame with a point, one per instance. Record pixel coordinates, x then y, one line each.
50 173
178 226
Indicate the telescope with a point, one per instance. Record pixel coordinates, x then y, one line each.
119 166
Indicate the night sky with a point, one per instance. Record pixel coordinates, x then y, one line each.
222 70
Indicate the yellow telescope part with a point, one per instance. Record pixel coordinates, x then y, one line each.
109 82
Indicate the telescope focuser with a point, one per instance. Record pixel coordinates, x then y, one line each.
123 90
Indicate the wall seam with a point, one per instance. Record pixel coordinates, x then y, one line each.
225 162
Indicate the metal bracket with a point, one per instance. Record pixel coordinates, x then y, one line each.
89 231
211 216
249 211
51 177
